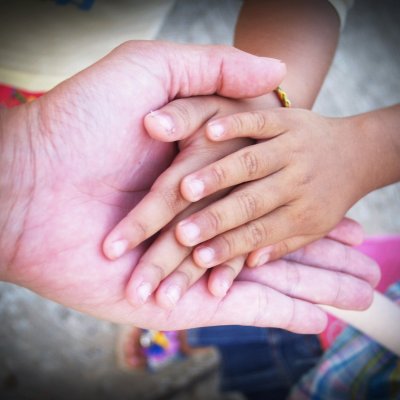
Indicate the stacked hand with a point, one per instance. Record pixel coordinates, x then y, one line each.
284 194
82 159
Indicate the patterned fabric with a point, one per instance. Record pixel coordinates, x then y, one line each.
355 368
11 97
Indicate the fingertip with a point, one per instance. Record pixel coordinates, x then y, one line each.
114 249
204 256
160 126
218 287
321 322
168 296
191 188
215 130
260 257
348 232
187 233
138 294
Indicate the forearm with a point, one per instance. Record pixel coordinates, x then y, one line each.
302 33
376 138
16 182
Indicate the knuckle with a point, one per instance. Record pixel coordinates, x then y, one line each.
249 205
141 229
185 276
250 163
238 124
226 247
183 111
155 269
214 220
301 218
281 250
256 234
219 174
258 121
173 200
305 177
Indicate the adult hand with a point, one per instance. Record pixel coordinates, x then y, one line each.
75 161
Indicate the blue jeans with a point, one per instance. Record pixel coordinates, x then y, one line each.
258 362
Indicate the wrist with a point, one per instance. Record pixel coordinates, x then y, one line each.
377 150
16 182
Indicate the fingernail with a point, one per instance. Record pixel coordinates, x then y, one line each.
144 291
190 231
206 254
174 293
264 257
196 187
216 130
118 248
165 121
224 286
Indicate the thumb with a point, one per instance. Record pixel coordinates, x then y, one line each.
224 70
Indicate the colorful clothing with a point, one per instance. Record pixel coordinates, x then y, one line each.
355 368
11 97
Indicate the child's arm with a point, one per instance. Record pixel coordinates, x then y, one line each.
302 33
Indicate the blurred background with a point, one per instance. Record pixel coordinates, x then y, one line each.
50 352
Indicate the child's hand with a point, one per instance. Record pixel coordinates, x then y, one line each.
294 186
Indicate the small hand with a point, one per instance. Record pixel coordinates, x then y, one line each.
291 188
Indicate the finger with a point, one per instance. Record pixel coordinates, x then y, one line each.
173 287
347 231
278 250
313 284
248 164
264 124
333 255
324 253
264 231
180 118
154 266
248 203
222 276
201 70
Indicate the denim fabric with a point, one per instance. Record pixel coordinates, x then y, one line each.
261 363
